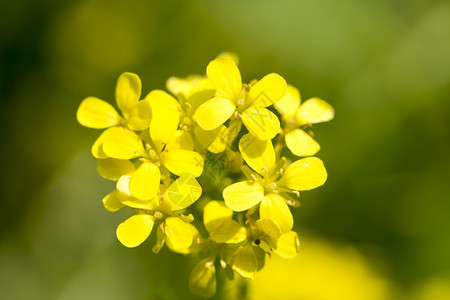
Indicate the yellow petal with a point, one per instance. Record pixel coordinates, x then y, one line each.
97 147
123 185
214 113
199 97
113 169
243 195
112 203
139 204
178 233
124 195
228 231
267 91
165 117
128 91
231 55
139 116
304 174
225 77
260 257
135 230
193 248
288 105
300 143
245 262
269 230
215 212
213 140
144 183
183 161
136 203
182 140
122 144
96 113
274 207
258 154
183 192
313 111
287 245
196 89
177 85
202 280
261 122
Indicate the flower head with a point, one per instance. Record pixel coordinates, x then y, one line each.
213 138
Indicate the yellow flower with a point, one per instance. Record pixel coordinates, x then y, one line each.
167 149
173 228
156 148
220 225
264 186
249 102
202 280
99 114
294 115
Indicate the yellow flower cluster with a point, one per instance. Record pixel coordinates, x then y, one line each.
159 148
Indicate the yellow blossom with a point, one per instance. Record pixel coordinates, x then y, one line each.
161 150
249 102
294 115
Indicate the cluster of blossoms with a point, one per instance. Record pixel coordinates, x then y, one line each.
203 167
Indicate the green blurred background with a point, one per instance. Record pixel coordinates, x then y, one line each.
384 65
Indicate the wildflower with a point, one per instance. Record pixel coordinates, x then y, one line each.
99 114
173 227
265 185
294 115
159 147
249 102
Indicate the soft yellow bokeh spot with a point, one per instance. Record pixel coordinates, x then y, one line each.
320 272
437 288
